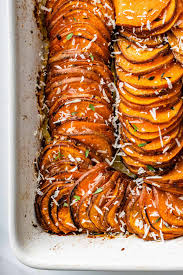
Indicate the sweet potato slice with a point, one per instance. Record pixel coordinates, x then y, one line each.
149 42
165 209
83 211
171 74
154 159
168 26
148 128
164 230
112 214
80 110
81 5
73 128
82 186
172 177
164 18
151 92
59 199
96 66
71 90
131 13
144 68
158 117
129 50
81 44
96 205
178 57
154 145
105 7
148 135
161 105
149 101
81 16
134 220
45 206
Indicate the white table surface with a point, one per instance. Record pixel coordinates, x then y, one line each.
8 263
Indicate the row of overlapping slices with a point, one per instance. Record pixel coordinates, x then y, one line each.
175 39
153 214
148 18
79 26
151 106
80 103
82 199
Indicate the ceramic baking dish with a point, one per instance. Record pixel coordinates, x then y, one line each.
31 245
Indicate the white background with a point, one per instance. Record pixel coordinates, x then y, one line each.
8 263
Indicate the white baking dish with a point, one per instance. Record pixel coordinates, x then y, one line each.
32 246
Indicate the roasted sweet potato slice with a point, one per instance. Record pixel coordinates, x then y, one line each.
171 74
154 159
59 201
96 66
112 215
81 188
164 230
172 177
148 136
46 200
152 146
134 220
74 89
159 101
99 200
73 128
132 13
154 116
164 18
144 68
105 7
83 215
150 92
84 108
149 42
129 50
178 57
81 44
165 209
80 16
82 5
81 29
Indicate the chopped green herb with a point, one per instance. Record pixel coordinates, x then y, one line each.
158 219
139 77
151 78
143 144
59 156
135 127
128 46
91 56
77 198
65 204
150 10
74 19
150 168
91 106
98 190
69 36
73 113
87 153
172 108
162 75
